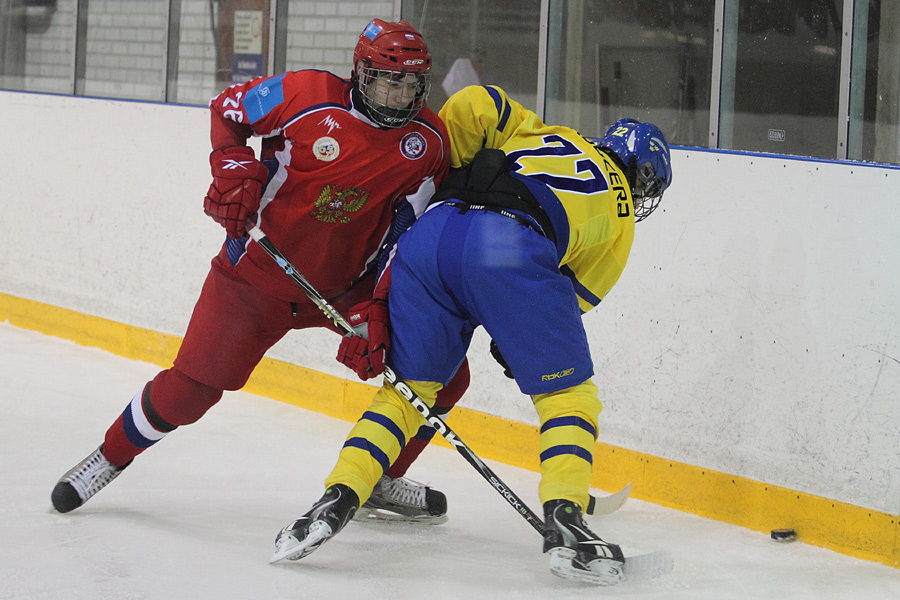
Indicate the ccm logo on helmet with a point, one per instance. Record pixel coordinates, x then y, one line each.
411 62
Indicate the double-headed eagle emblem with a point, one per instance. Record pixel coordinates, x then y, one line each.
335 204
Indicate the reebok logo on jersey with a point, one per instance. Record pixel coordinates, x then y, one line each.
230 163
330 123
557 375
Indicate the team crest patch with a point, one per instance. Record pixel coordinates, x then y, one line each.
326 149
335 204
413 145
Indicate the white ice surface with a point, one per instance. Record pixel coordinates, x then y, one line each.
195 516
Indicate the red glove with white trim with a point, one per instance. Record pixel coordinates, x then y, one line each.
366 356
238 180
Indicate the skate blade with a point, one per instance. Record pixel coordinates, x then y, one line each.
600 572
375 515
288 547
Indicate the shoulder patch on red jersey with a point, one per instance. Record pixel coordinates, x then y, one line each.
326 148
262 98
413 145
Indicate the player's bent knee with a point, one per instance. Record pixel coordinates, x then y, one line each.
179 399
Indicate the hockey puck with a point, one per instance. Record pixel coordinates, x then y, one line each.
783 535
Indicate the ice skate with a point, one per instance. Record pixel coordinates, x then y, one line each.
402 499
575 551
323 521
83 481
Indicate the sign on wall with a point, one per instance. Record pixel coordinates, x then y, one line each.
247 59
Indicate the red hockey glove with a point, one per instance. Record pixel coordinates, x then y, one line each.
366 356
238 179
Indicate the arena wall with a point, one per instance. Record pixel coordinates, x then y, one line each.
748 358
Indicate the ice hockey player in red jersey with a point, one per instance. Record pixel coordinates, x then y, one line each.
346 166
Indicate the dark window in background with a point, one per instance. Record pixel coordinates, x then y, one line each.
480 42
788 82
875 105
37 45
644 59
785 78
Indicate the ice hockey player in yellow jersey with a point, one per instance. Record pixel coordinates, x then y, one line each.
532 229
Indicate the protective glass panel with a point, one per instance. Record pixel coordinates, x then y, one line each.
228 41
219 43
319 39
125 51
780 92
476 42
624 58
37 45
197 54
875 105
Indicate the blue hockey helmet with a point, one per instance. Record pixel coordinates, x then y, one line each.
644 154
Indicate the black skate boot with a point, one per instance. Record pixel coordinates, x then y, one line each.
323 521
402 499
575 551
83 481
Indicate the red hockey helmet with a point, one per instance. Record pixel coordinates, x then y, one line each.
391 72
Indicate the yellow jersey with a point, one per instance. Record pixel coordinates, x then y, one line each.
585 194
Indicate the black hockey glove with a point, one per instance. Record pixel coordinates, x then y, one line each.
495 352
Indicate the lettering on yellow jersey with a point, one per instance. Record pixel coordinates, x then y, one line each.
335 204
557 375
618 187
584 174
622 203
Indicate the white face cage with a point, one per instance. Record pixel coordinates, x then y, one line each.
393 98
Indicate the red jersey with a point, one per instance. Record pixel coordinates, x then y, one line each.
335 182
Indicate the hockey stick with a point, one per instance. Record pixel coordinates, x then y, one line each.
604 505
607 505
637 568
401 386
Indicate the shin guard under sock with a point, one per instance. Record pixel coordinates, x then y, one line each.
172 399
446 399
